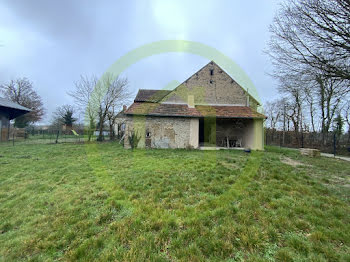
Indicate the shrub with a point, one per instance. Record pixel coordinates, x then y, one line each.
133 139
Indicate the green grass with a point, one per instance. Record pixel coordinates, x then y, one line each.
100 202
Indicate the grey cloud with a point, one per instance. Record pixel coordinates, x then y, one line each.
70 38
59 19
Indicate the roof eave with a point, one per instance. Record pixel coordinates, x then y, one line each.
193 116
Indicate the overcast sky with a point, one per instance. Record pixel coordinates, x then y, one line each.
52 43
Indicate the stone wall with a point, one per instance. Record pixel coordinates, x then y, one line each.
211 85
163 132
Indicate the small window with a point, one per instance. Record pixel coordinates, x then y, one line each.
211 72
211 81
148 134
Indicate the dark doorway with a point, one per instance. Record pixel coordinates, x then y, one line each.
201 131
207 131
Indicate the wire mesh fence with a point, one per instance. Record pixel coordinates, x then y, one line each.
329 144
19 136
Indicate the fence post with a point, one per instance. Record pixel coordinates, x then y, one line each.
280 139
334 143
13 138
302 139
58 132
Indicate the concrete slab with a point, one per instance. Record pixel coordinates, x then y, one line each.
338 157
219 148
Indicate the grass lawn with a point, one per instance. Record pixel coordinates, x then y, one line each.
100 202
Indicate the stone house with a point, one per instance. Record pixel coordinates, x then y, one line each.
209 108
8 111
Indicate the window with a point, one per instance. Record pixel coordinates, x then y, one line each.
148 134
211 81
211 72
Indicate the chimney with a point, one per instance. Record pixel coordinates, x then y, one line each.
124 108
190 101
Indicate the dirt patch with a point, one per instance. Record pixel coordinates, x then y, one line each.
291 162
344 181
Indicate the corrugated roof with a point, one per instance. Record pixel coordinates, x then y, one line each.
9 104
182 110
151 96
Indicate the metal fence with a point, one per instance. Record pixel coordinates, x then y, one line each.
329 144
18 136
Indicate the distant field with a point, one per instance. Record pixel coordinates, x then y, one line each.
101 202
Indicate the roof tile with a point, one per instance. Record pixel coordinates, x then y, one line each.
152 96
182 110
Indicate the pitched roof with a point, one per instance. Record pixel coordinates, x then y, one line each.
120 114
11 109
152 96
9 104
182 110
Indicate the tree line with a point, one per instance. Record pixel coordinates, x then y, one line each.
310 52
98 100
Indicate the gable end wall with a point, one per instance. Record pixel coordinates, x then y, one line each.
217 89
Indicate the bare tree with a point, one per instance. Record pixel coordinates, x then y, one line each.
111 93
331 93
312 33
311 101
347 117
310 52
82 96
112 117
290 88
100 99
273 112
21 92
